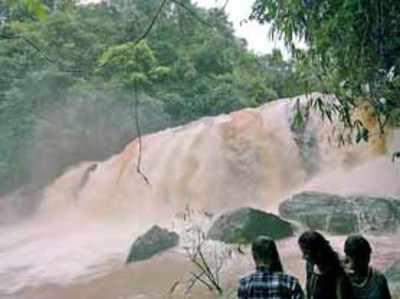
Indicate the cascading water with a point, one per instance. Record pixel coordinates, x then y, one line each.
80 236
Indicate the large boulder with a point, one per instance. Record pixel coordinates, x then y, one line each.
343 215
154 241
245 224
393 277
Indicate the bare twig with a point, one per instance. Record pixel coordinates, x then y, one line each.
209 273
138 130
225 5
146 32
193 281
173 288
198 277
42 52
211 279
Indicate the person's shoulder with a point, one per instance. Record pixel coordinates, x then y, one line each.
378 275
246 279
376 272
288 278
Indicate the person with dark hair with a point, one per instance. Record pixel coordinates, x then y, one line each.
326 278
367 282
268 281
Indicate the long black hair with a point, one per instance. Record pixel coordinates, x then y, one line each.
264 249
320 250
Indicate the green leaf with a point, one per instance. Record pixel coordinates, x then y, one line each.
37 8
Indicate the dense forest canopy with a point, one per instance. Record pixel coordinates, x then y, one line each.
76 78
71 75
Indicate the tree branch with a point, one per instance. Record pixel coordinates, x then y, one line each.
40 51
198 277
225 5
138 130
146 32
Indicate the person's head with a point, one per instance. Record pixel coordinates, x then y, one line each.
317 250
266 254
358 254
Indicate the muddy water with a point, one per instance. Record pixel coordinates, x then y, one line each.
156 278
77 244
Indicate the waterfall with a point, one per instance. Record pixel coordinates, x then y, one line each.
251 157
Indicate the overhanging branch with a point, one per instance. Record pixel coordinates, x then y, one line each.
146 32
40 51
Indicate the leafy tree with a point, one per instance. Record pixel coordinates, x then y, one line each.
77 67
353 48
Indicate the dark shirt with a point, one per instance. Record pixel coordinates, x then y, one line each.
330 285
376 287
272 285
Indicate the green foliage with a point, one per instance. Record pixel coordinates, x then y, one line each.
68 75
353 49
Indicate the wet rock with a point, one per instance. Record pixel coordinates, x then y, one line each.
154 241
245 224
343 214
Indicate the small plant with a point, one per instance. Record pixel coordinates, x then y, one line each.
208 259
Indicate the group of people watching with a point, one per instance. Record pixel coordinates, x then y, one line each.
327 276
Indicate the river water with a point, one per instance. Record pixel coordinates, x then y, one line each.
77 243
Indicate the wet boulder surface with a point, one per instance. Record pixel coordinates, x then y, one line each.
343 214
156 240
245 224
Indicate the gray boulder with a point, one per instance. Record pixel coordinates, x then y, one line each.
393 277
343 215
245 224
154 241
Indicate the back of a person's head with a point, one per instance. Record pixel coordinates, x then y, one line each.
313 241
357 245
320 249
264 250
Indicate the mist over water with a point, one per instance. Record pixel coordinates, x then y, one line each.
80 237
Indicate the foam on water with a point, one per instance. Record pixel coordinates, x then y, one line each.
77 244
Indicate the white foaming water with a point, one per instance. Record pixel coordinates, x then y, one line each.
58 252
80 238
379 177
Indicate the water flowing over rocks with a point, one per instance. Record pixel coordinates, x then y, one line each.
245 224
252 157
343 214
19 204
304 135
154 241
